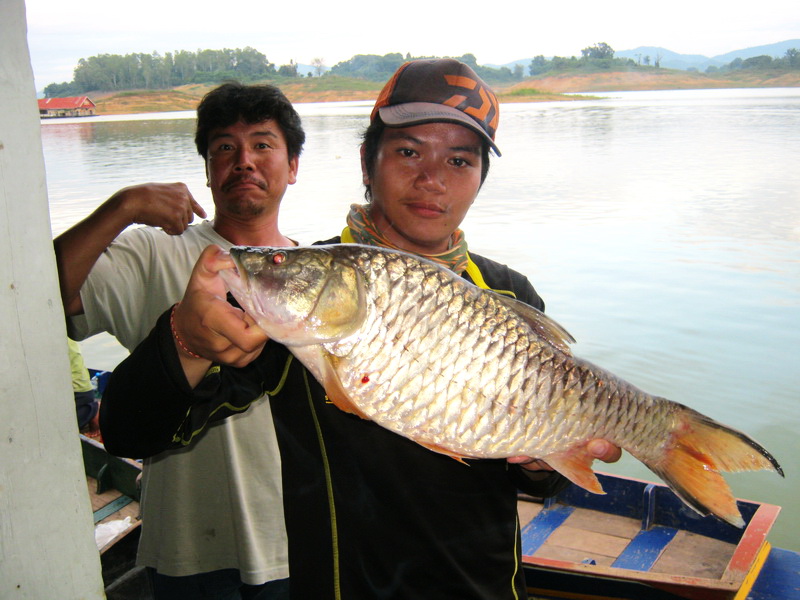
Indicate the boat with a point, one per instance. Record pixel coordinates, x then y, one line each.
639 541
114 490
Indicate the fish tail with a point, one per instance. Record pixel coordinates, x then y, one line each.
700 449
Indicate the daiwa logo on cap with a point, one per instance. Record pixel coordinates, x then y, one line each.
442 89
487 97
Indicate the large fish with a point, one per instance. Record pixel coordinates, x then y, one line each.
471 373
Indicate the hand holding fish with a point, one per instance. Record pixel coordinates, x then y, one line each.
170 206
599 448
206 326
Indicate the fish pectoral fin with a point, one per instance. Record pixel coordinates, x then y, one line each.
576 465
336 392
439 449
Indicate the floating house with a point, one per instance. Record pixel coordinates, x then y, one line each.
77 106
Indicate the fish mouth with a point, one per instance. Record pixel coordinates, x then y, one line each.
235 279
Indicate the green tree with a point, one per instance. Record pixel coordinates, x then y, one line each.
757 62
469 60
61 90
369 66
166 71
735 64
792 58
250 63
289 70
560 63
184 65
601 50
538 65
148 70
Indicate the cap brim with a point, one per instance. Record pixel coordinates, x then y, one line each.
417 113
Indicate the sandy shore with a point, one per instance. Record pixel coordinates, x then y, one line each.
541 89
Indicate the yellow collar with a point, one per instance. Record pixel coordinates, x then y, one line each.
472 269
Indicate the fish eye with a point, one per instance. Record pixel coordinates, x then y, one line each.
278 258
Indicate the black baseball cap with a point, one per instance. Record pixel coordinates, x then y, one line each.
436 90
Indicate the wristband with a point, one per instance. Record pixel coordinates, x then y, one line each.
177 337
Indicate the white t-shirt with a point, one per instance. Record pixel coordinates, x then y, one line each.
217 504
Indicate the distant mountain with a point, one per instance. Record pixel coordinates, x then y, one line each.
774 50
668 59
673 60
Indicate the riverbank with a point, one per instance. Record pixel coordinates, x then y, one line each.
540 89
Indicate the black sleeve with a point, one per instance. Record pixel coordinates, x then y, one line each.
541 488
144 403
504 280
148 406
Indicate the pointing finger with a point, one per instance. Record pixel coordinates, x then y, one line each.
196 208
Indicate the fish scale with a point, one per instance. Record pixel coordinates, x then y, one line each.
473 374
403 326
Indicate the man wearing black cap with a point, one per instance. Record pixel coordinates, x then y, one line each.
369 514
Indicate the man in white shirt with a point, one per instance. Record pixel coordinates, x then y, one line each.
213 524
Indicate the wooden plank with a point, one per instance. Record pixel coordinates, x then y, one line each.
755 572
563 553
602 522
695 555
99 500
684 586
588 541
751 542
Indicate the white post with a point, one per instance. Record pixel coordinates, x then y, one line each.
47 545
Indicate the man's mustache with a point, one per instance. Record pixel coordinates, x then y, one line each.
243 179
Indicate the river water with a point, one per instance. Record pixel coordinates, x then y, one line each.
661 228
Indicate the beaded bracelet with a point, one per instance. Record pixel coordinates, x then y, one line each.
177 337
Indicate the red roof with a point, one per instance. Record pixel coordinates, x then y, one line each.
65 103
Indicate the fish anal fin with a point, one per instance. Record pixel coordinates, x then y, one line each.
439 449
576 465
336 392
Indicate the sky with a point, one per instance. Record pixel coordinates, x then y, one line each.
61 33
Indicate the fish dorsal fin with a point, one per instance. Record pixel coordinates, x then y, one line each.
543 325
335 390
